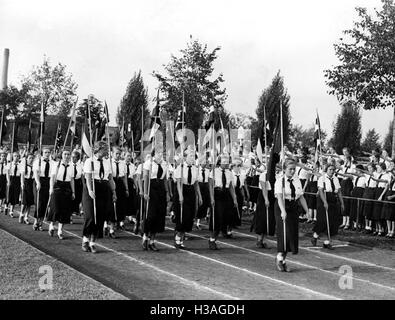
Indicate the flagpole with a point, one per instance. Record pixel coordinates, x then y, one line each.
56 138
109 156
266 164
182 155
40 150
1 126
68 129
142 171
92 168
132 146
283 180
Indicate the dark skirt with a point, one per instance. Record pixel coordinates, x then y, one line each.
43 197
103 208
154 221
15 190
222 210
185 223
377 206
121 199
292 227
3 186
206 202
27 194
131 201
388 212
346 188
254 188
259 221
60 203
237 212
75 205
334 216
311 199
356 205
368 205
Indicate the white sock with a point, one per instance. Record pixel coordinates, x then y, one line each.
326 242
91 243
85 239
280 257
145 237
105 224
212 239
51 227
315 235
178 239
121 223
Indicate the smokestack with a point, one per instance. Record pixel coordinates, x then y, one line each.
4 73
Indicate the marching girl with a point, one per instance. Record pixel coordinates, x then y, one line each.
388 210
346 184
121 189
204 187
311 187
13 182
97 170
252 181
260 218
130 203
369 193
288 191
382 179
62 194
76 168
327 203
42 167
303 174
140 203
27 184
357 192
155 190
171 195
242 194
223 199
188 195
3 179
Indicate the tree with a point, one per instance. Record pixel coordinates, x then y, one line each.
371 141
300 137
51 85
134 100
270 101
388 138
13 99
367 54
191 76
347 130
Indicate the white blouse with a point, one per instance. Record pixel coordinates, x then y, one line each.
26 170
370 183
194 173
262 178
132 170
383 176
59 172
3 168
41 169
11 169
360 182
206 175
121 168
242 177
96 168
278 187
79 167
324 182
154 168
218 177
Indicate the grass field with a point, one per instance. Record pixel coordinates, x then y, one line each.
19 275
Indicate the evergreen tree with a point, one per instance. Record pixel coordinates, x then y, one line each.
347 130
388 138
371 141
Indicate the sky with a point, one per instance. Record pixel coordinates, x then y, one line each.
103 43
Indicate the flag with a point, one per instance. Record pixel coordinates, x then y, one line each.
155 119
209 126
58 139
101 133
85 144
122 135
259 151
73 119
179 125
42 112
14 137
317 137
29 136
274 153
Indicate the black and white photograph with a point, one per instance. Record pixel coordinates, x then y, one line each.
197 155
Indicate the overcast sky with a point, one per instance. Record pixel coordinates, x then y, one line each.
104 42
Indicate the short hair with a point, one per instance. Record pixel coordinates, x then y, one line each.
329 166
76 153
288 162
359 167
99 146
